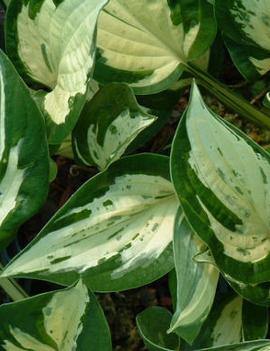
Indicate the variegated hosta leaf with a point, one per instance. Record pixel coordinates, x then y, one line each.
24 163
254 321
246 25
144 42
224 324
196 283
108 124
221 331
53 43
65 320
222 179
256 293
232 320
116 231
153 324
260 345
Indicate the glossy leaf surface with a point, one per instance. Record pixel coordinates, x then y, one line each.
224 324
222 180
152 325
53 43
23 173
246 25
232 320
143 42
196 283
260 345
116 231
65 320
108 124
255 321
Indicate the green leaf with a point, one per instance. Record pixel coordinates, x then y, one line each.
153 324
172 280
266 100
256 293
260 345
196 283
246 25
232 100
11 288
65 149
53 170
255 321
232 320
221 177
65 320
143 43
224 324
5 2
108 124
116 231
53 44
24 163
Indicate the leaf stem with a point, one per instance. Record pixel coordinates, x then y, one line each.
228 97
12 288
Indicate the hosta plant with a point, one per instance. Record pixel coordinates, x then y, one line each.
97 80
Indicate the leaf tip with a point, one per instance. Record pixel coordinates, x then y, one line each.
195 91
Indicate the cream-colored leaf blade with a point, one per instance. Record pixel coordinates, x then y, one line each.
228 176
60 51
121 228
196 283
108 125
139 38
63 322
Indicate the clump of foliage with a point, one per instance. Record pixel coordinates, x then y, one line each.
99 78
